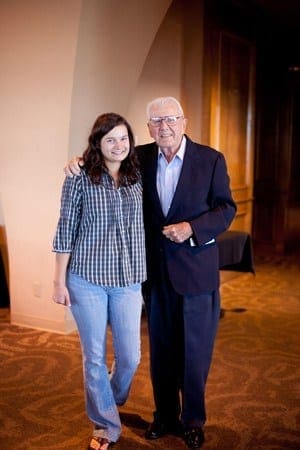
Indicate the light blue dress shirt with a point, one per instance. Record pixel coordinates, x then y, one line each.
168 175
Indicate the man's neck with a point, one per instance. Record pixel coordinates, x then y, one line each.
170 152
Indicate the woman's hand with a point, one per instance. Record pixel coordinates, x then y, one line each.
61 294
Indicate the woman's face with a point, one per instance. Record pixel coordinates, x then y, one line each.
115 145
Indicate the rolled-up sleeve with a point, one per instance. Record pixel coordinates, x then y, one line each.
70 214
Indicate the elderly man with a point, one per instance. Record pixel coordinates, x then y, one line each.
187 204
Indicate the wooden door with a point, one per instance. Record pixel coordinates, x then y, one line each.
232 119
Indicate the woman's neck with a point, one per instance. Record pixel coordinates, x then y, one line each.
114 172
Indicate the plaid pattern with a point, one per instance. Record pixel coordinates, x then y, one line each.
102 227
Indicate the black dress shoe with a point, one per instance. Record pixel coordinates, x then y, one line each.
193 437
155 430
158 429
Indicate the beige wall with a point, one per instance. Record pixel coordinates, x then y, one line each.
62 63
38 42
114 39
173 67
162 71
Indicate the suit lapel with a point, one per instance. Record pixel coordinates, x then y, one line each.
151 171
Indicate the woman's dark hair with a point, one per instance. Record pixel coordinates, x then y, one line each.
93 158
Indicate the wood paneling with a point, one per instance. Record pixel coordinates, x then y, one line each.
231 118
243 44
276 224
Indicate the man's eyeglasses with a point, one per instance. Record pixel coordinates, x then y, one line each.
170 120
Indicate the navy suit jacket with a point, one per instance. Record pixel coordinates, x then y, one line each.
202 198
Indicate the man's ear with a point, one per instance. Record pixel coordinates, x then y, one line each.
149 129
185 121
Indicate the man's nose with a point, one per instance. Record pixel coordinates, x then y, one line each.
163 123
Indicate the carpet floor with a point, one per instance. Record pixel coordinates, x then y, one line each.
252 391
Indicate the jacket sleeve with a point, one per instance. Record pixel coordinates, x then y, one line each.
222 207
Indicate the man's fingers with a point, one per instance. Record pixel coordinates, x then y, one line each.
68 172
73 167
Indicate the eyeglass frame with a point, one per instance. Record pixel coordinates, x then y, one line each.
165 118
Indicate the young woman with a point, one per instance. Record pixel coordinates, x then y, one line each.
100 264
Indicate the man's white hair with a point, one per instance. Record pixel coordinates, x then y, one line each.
161 101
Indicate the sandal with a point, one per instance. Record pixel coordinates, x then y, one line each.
98 443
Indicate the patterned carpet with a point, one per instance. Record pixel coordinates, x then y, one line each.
253 387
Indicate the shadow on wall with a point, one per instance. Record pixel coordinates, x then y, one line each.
4 295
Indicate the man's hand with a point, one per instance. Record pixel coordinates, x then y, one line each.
178 232
73 167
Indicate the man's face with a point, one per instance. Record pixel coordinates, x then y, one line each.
168 136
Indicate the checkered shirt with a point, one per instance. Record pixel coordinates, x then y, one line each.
102 227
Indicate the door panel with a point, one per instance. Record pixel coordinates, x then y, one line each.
232 127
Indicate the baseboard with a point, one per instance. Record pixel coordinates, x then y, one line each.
63 327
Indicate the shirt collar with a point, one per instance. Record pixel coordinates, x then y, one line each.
180 152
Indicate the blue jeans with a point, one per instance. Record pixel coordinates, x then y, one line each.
93 308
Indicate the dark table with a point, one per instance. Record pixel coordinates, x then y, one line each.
4 296
236 254
235 251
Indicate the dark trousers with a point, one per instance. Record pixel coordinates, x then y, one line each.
182 331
